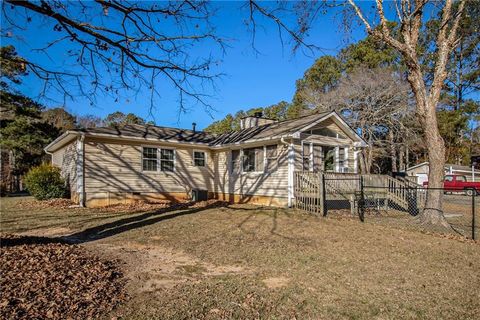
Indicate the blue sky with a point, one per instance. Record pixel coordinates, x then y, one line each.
252 79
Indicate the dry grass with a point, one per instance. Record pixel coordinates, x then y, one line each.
251 262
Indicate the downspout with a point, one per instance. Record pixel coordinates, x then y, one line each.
291 168
80 170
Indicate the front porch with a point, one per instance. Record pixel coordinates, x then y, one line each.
316 192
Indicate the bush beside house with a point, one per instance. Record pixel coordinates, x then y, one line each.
45 182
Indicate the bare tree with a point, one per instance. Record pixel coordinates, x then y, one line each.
376 103
113 46
89 121
427 94
410 15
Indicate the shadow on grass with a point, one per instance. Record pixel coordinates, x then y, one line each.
6 241
135 222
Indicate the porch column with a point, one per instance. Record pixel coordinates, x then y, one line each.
337 159
311 157
345 161
355 161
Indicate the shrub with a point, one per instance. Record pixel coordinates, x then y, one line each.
45 182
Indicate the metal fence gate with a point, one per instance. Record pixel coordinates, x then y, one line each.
382 199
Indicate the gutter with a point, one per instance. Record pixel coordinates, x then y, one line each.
60 138
291 169
80 187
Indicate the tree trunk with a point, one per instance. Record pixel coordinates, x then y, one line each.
393 152
364 165
411 18
401 158
427 111
433 211
407 156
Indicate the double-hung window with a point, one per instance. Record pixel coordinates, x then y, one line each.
155 158
258 159
150 159
167 159
253 160
199 159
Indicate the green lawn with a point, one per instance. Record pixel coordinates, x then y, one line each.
253 262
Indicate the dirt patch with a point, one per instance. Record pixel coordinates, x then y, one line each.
43 278
276 282
153 267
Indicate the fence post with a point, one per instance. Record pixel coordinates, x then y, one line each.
361 203
323 199
474 193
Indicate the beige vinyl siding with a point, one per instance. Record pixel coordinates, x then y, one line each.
66 159
297 148
221 167
329 141
271 183
112 166
332 125
57 157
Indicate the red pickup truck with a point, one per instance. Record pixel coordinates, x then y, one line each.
456 183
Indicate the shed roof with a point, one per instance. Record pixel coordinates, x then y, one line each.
455 167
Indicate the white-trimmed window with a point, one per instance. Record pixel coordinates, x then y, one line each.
167 160
150 159
154 159
199 158
253 160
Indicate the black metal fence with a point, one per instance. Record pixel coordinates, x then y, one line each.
401 204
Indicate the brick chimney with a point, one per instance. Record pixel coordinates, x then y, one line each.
254 121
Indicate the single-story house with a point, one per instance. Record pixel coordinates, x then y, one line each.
256 164
421 170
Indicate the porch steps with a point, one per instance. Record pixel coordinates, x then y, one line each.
400 194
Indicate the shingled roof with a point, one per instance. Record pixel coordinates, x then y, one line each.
273 130
154 132
270 130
